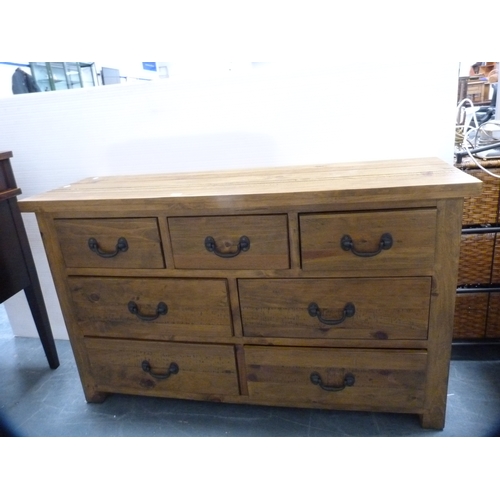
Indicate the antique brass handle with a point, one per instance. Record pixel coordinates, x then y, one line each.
315 311
161 308
243 246
173 369
121 246
347 244
348 382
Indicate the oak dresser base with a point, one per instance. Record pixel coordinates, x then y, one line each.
327 286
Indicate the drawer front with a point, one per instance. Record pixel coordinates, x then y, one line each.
151 308
162 368
14 275
370 308
110 243
401 240
356 378
232 242
3 178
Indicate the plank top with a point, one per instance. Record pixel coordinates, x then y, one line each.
423 178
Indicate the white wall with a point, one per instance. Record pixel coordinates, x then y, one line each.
279 115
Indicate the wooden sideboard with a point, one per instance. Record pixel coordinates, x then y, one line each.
322 286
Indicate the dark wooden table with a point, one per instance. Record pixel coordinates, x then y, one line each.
17 268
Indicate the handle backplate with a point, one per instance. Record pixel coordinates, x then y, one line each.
243 246
347 244
161 309
348 312
316 379
173 369
121 246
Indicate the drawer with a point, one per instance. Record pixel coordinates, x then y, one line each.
363 379
397 240
162 368
14 275
370 308
151 308
232 242
110 243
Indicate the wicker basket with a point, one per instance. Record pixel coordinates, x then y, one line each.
495 271
493 321
476 257
477 313
471 310
483 209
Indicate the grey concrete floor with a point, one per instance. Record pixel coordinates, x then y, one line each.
37 401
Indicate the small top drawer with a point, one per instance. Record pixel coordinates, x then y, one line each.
110 243
392 240
232 242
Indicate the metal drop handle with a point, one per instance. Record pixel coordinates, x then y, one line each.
243 246
348 312
349 380
173 369
384 244
161 309
121 246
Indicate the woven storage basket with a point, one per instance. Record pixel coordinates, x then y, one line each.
470 315
482 209
493 321
476 258
495 271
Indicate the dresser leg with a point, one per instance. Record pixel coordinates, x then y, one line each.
96 397
432 420
39 312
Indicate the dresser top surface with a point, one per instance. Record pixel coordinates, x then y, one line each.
424 178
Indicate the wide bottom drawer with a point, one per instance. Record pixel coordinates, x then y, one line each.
162 368
357 379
